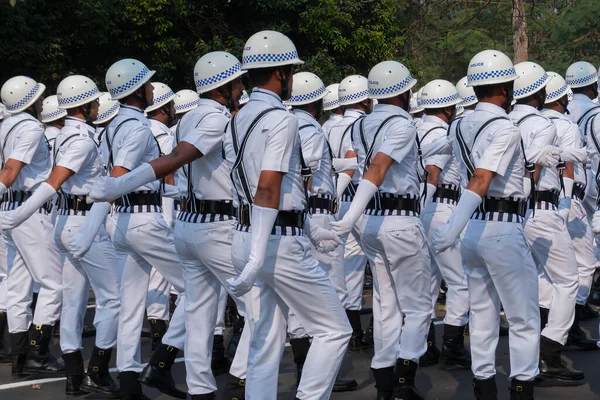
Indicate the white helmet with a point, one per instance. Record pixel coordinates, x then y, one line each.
20 92
557 88
490 67
161 96
532 79
269 49
244 98
439 94
307 88
353 89
466 93
51 111
414 105
581 74
125 77
215 69
107 109
75 91
185 100
388 79
331 100
569 94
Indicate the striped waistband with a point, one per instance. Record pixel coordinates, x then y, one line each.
187 216
277 230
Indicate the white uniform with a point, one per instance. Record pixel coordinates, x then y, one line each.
31 252
355 260
51 132
394 240
290 278
203 241
331 121
511 279
76 150
141 237
447 264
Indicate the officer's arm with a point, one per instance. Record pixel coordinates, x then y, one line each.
433 174
11 170
58 176
184 153
378 168
350 154
268 191
480 182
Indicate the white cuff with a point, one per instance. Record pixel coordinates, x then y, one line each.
365 192
132 180
568 183
468 203
41 195
261 222
344 164
342 183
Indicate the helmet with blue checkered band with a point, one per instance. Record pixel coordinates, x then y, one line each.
307 88
557 88
162 95
466 93
532 79
125 77
581 74
215 69
244 98
331 100
490 67
51 111
185 100
75 91
20 92
439 94
107 109
267 49
415 108
388 79
353 89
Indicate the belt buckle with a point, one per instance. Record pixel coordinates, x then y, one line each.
76 205
335 206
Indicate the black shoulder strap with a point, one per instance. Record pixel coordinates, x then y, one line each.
585 114
431 130
60 146
525 118
349 128
6 139
109 145
369 151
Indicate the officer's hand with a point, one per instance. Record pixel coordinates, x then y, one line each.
550 156
243 284
12 219
324 241
103 188
564 208
596 222
327 246
341 228
442 238
80 244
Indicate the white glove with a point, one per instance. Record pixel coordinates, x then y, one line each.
564 206
365 192
16 217
527 186
344 164
261 222
82 241
323 240
108 189
549 156
342 183
446 235
168 206
425 200
596 222
575 155
437 147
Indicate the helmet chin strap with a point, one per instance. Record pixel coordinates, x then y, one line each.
541 98
284 85
563 102
86 110
167 111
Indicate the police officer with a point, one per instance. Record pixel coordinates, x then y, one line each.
31 252
492 161
53 117
4 347
416 110
331 103
391 231
107 110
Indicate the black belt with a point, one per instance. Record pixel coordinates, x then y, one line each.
548 196
320 203
446 193
20 196
220 207
350 190
284 218
578 191
139 199
73 202
383 202
506 206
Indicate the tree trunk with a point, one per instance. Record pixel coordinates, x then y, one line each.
519 32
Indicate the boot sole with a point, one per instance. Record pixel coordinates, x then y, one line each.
110 395
163 389
453 366
552 381
347 388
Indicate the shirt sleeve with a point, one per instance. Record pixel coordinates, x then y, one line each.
133 146
437 160
28 138
280 142
76 154
500 150
398 140
312 141
570 138
206 136
544 136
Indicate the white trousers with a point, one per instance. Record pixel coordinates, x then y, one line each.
291 279
97 268
141 241
205 251
221 307
355 262
447 265
32 256
399 257
3 275
157 302
500 268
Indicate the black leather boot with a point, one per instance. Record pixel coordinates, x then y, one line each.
594 297
19 345
130 388
39 358
158 328
5 357
432 355
454 353
521 390
577 337
206 396
356 343
238 328
368 336
74 373
231 313
97 378
385 380
157 373
172 304
219 363
553 371
544 312
589 312
235 389
485 389
405 372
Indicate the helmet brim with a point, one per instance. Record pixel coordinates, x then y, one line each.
304 102
246 67
36 96
495 81
80 103
161 104
394 94
217 85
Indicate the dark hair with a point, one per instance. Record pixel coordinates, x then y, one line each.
484 91
260 76
579 90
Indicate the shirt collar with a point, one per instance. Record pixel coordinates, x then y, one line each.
524 108
336 116
79 123
391 109
133 112
553 113
492 108
267 96
160 125
582 97
211 103
435 120
353 112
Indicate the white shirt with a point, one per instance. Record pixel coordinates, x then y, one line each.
316 153
76 150
397 139
163 135
497 149
340 137
417 122
50 132
438 130
274 145
537 132
26 143
133 145
204 127
331 121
